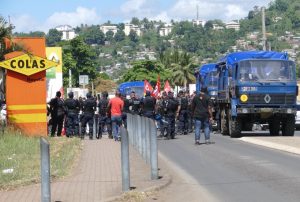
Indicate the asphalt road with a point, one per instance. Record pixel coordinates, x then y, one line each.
232 170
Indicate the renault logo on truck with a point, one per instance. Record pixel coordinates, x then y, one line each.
267 98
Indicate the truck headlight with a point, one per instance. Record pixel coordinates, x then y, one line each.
244 98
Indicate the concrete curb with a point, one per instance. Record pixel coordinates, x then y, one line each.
272 145
166 181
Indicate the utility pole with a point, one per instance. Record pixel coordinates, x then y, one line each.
197 12
70 78
264 39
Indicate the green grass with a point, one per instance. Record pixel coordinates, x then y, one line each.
22 154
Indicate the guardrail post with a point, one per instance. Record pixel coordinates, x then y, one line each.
45 170
147 134
153 150
125 160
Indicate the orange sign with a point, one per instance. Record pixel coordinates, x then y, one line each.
26 88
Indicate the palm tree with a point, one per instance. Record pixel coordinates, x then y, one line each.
5 32
183 71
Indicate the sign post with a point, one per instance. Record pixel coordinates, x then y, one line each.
83 80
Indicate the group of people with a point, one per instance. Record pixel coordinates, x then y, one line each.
110 114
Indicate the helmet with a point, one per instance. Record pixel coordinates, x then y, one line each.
148 93
71 94
58 94
88 95
105 94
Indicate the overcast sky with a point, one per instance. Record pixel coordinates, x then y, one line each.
33 15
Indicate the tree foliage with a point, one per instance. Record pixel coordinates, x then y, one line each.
53 37
93 35
80 58
146 70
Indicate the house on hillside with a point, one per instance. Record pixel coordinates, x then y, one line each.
106 28
233 25
128 27
199 22
166 30
68 33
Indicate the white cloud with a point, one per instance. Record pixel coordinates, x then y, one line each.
132 6
163 16
23 23
225 10
235 12
81 15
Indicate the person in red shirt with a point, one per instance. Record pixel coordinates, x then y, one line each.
115 107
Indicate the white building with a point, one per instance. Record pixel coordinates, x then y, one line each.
106 28
166 30
199 22
233 25
128 27
67 31
217 27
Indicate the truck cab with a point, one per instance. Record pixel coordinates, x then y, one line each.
257 87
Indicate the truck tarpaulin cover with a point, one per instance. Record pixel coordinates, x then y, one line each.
233 58
204 69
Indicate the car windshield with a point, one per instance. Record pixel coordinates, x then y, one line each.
266 70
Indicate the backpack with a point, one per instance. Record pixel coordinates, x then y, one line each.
184 103
103 106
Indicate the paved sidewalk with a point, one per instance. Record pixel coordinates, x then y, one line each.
283 143
96 178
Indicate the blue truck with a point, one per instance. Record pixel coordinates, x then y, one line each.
257 87
127 87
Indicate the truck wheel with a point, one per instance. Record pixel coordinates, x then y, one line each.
288 126
235 126
224 123
274 127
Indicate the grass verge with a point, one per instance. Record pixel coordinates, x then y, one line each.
22 155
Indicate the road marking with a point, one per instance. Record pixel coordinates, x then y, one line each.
272 145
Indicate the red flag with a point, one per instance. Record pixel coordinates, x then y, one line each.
147 87
167 87
157 88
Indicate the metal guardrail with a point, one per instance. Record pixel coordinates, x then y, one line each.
45 170
143 136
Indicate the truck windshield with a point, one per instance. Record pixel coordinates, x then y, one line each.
266 70
212 78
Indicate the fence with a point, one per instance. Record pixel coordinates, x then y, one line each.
143 137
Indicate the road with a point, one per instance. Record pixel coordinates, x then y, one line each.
230 170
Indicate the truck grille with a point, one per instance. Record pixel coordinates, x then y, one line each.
271 99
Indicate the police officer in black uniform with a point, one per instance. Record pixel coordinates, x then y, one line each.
89 108
57 111
183 113
103 116
135 104
148 105
162 109
170 106
72 109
